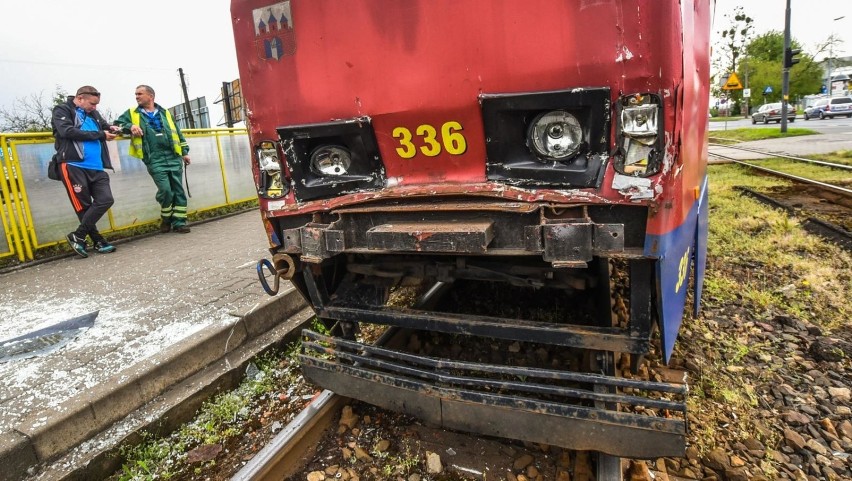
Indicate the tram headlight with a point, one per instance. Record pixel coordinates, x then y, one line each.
331 160
271 184
555 135
639 152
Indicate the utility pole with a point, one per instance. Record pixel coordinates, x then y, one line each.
746 99
186 99
785 76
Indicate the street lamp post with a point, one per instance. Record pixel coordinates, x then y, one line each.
830 54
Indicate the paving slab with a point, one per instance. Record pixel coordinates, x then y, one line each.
152 294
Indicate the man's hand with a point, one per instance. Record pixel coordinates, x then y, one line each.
136 131
110 135
186 160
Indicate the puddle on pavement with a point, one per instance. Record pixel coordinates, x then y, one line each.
46 340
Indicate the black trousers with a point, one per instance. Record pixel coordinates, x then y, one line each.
90 197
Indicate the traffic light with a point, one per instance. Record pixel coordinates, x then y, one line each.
789 60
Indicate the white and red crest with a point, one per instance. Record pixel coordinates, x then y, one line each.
273 27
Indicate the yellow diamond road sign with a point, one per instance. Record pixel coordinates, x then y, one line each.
733 83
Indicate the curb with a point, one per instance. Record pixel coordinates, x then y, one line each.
44 436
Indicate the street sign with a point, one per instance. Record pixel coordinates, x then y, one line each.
823 90
746 93
767 90
733 82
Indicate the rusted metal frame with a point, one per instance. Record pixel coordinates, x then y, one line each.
439 363
316 290
572 427
522 387
641 304
636 421
448 206
450 237
608 339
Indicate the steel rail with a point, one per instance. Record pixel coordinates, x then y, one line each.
282 455
785 156
829 187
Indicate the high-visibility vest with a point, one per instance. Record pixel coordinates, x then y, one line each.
136 142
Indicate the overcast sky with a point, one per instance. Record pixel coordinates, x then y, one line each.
117 45
811 21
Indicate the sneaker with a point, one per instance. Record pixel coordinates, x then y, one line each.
165 226
77 244
183 229
104 247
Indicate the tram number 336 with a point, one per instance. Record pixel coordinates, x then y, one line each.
428 142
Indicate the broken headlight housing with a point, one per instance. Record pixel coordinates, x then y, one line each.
639 147
554 138
332 158
271 183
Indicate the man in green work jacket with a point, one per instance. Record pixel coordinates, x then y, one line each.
159 143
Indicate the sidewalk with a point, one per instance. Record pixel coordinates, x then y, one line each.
796 146
152 294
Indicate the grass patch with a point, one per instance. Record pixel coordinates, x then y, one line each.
748 134
217 422
761 264
773 262
808 170
839 157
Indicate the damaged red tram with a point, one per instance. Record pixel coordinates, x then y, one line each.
542 145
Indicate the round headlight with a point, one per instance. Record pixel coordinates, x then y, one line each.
331 160
555 135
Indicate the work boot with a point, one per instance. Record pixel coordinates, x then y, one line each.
77 244
182 229
165 226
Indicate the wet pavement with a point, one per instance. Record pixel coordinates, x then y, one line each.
151 293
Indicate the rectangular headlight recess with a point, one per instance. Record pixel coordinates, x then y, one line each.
333 158
639 146
516 123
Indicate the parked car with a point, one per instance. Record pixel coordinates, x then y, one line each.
772 113
831 107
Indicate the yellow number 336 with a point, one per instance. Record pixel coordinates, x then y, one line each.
452 139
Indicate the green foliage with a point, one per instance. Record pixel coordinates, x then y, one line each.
762 66
747 134
218 419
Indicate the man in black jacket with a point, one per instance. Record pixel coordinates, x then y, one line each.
81 134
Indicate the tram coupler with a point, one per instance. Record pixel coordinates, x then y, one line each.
281 267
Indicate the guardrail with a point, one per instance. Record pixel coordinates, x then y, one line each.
35 211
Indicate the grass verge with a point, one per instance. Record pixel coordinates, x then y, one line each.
748 134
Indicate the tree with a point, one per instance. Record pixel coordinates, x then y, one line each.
31 114
734 40
763 63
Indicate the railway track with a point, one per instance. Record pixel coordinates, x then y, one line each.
297 445
837 195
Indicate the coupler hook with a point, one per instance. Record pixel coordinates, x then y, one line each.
281 267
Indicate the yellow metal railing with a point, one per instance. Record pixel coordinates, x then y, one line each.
16 211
